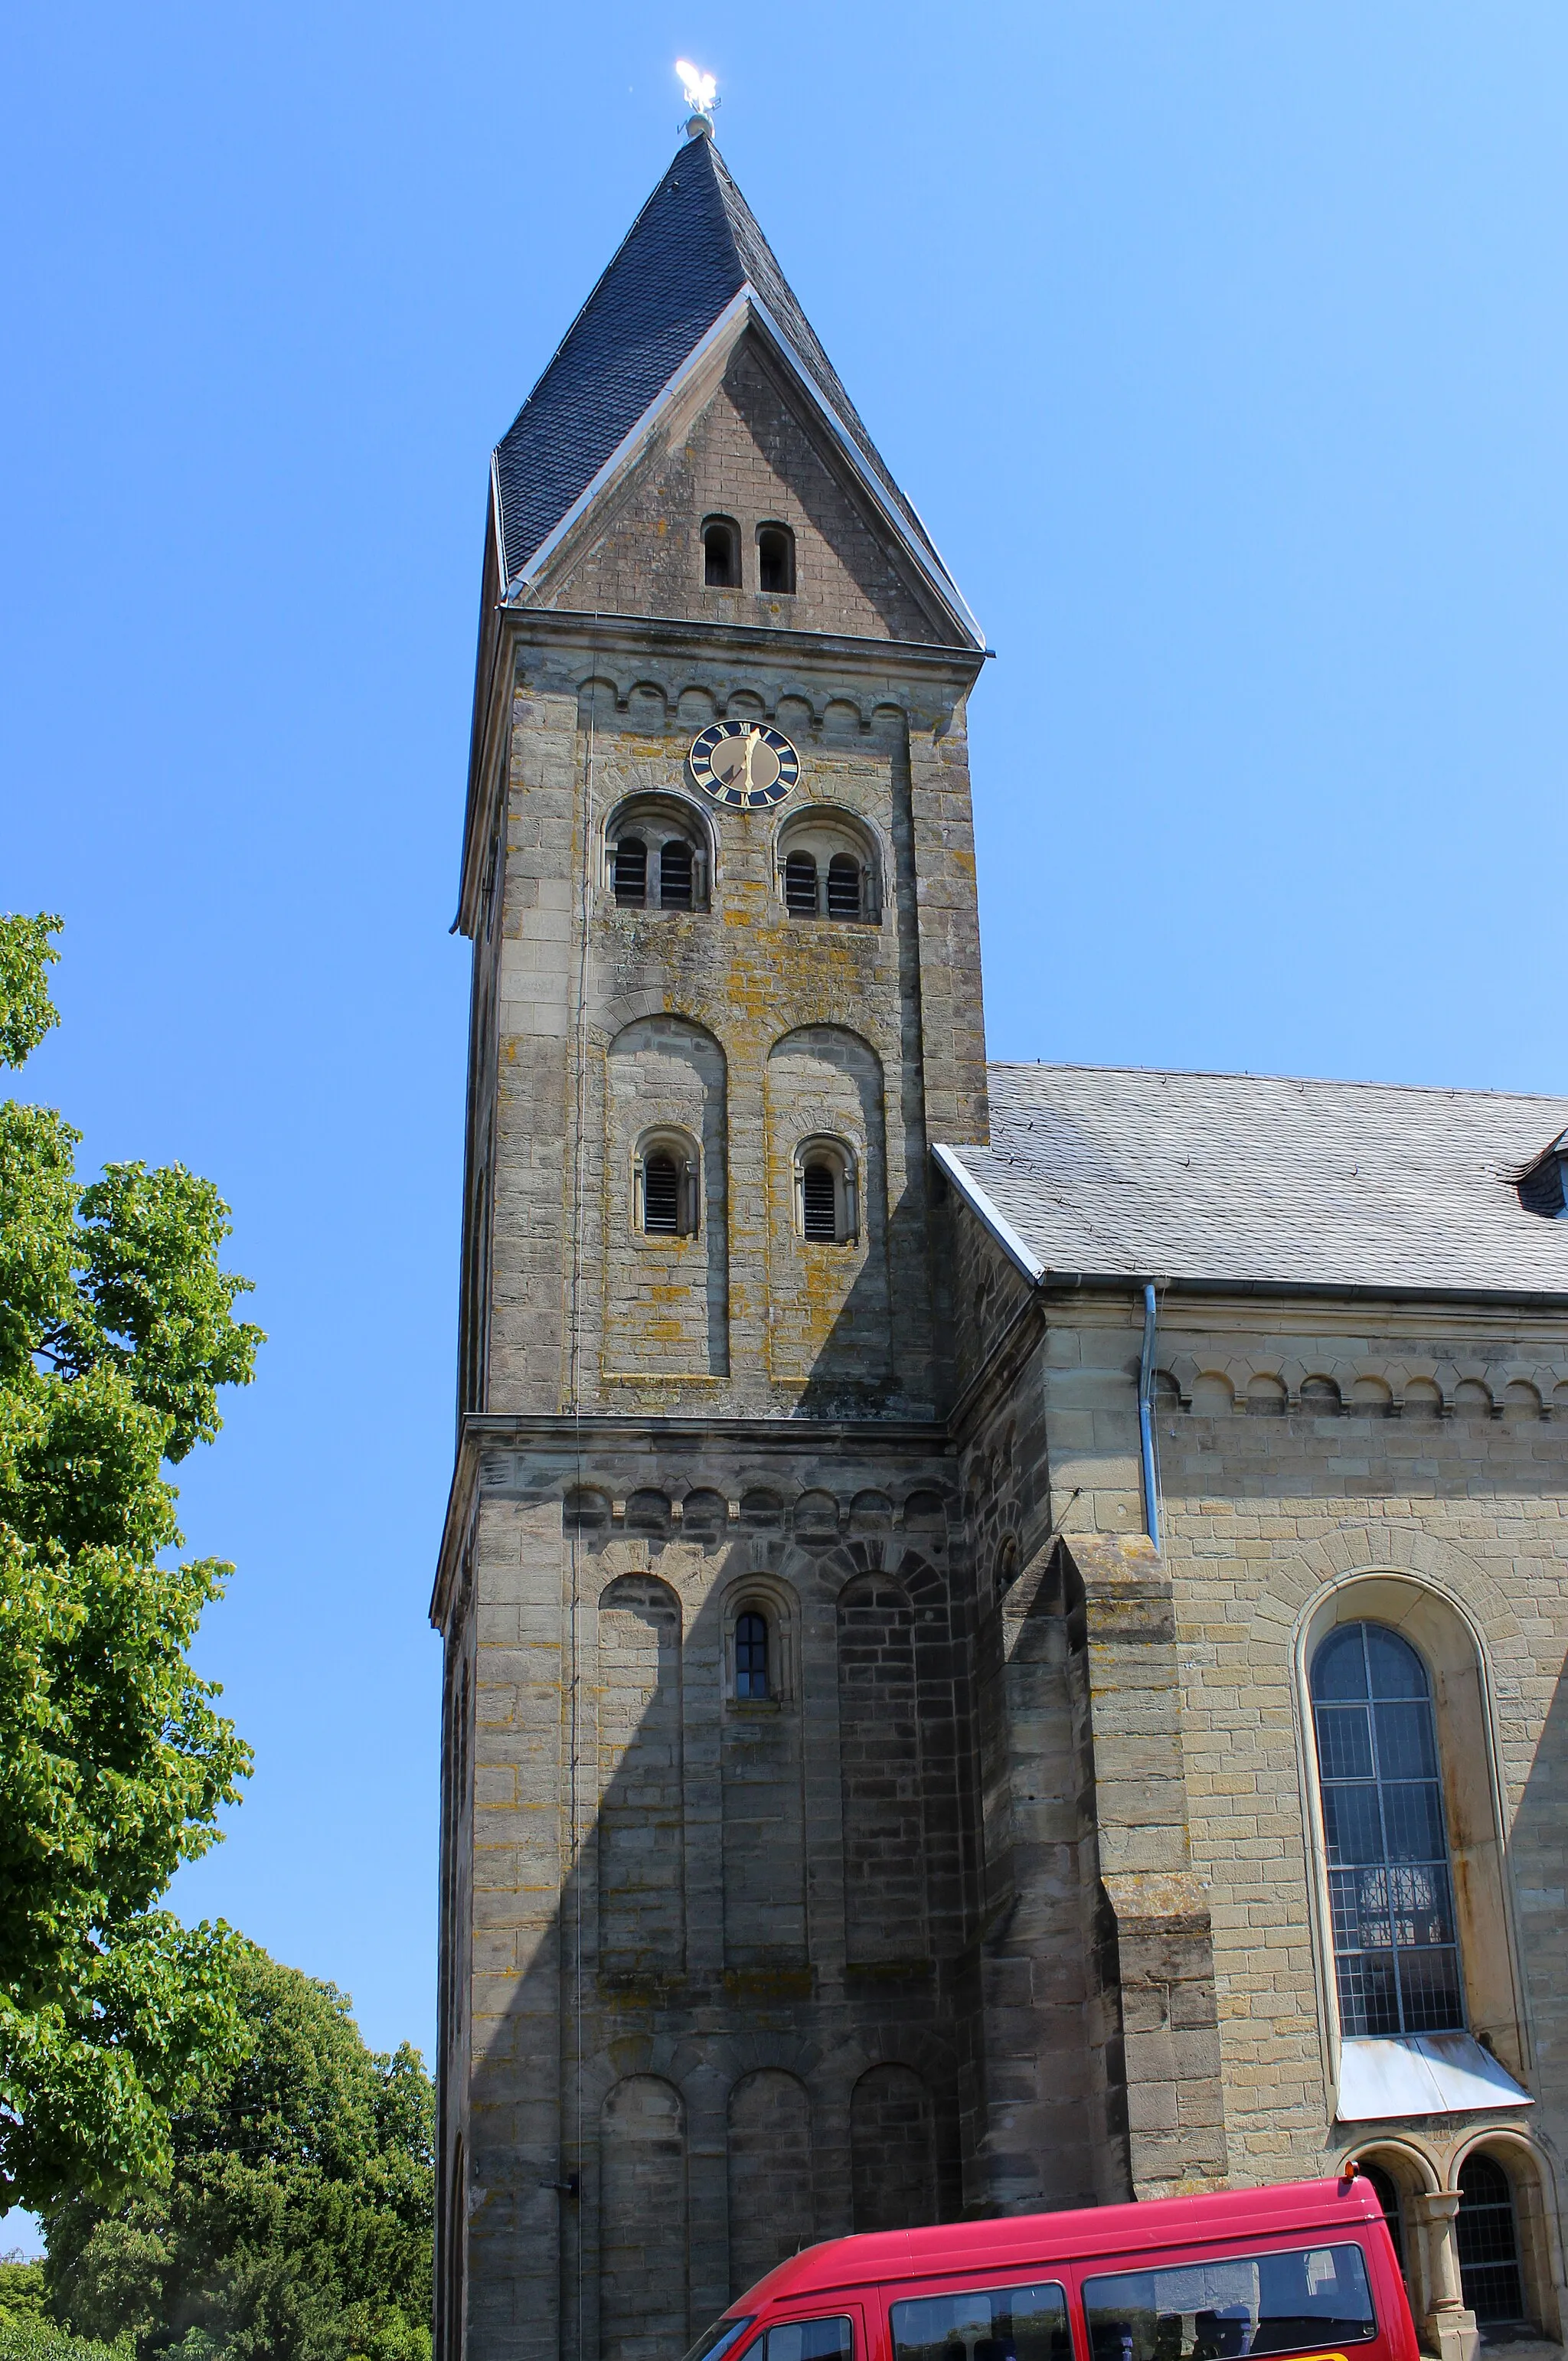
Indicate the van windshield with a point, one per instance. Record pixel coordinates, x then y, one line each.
1216 2311
720 2338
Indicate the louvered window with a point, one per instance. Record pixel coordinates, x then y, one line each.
1395 1948
631 872
819 1203
662 1196
751 1656
800 885
676 875
843 886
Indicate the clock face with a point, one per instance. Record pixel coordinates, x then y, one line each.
743 765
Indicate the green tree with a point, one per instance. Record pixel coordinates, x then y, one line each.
297 2224
22 2292
117 1330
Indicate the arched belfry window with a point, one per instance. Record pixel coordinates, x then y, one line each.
666 1192
800 885
751 1655
1391 1886
656 854
720 554
828 866
629 873
775 560
825 1209
676 874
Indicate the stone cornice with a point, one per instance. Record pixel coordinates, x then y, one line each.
563 1437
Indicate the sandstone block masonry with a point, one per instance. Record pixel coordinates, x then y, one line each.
867 1798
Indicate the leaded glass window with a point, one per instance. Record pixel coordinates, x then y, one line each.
751 1656
1488 2243
1391 1893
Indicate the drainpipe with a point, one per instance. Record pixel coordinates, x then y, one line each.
1145 1416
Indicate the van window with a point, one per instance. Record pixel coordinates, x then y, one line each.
1208 2312
811 2340
719 2339
1022 2323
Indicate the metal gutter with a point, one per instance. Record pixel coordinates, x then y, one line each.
1145 1416
1122 1282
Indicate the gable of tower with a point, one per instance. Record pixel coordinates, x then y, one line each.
749 449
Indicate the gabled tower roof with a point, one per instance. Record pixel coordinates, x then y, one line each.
693 250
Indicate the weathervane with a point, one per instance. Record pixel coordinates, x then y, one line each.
701 96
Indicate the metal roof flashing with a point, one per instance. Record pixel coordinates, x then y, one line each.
1422 2074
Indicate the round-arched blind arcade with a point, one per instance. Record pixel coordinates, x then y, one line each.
1391 1887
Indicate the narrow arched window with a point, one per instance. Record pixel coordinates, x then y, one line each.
1487 2235
800 885
843 886
1390 1890
662 1196
751 1656
776 559
676 875
722 554
1386 2189
631 872
819 1203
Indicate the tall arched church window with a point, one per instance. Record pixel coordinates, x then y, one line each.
1391 1886
751 1656
1488 2240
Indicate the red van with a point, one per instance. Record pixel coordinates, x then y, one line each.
1308 2269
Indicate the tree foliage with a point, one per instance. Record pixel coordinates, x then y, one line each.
297 2224
117 1330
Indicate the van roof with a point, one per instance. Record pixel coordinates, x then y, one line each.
1028 2240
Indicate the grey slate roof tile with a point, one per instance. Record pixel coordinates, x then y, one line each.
693 247
1264 1180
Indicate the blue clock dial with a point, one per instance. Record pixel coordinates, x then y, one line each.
743 765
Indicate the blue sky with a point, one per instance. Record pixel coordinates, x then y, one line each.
1223 348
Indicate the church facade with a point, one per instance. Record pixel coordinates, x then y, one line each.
1003 1626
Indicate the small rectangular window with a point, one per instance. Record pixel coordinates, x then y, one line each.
1019 2324
1247 2305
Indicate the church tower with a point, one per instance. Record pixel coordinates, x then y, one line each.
709 1886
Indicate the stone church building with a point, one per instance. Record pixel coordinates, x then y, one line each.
1003 1625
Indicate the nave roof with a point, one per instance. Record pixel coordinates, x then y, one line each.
1263 1182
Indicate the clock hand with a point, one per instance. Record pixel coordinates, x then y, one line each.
750 750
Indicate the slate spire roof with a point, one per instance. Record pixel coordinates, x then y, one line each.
693 248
